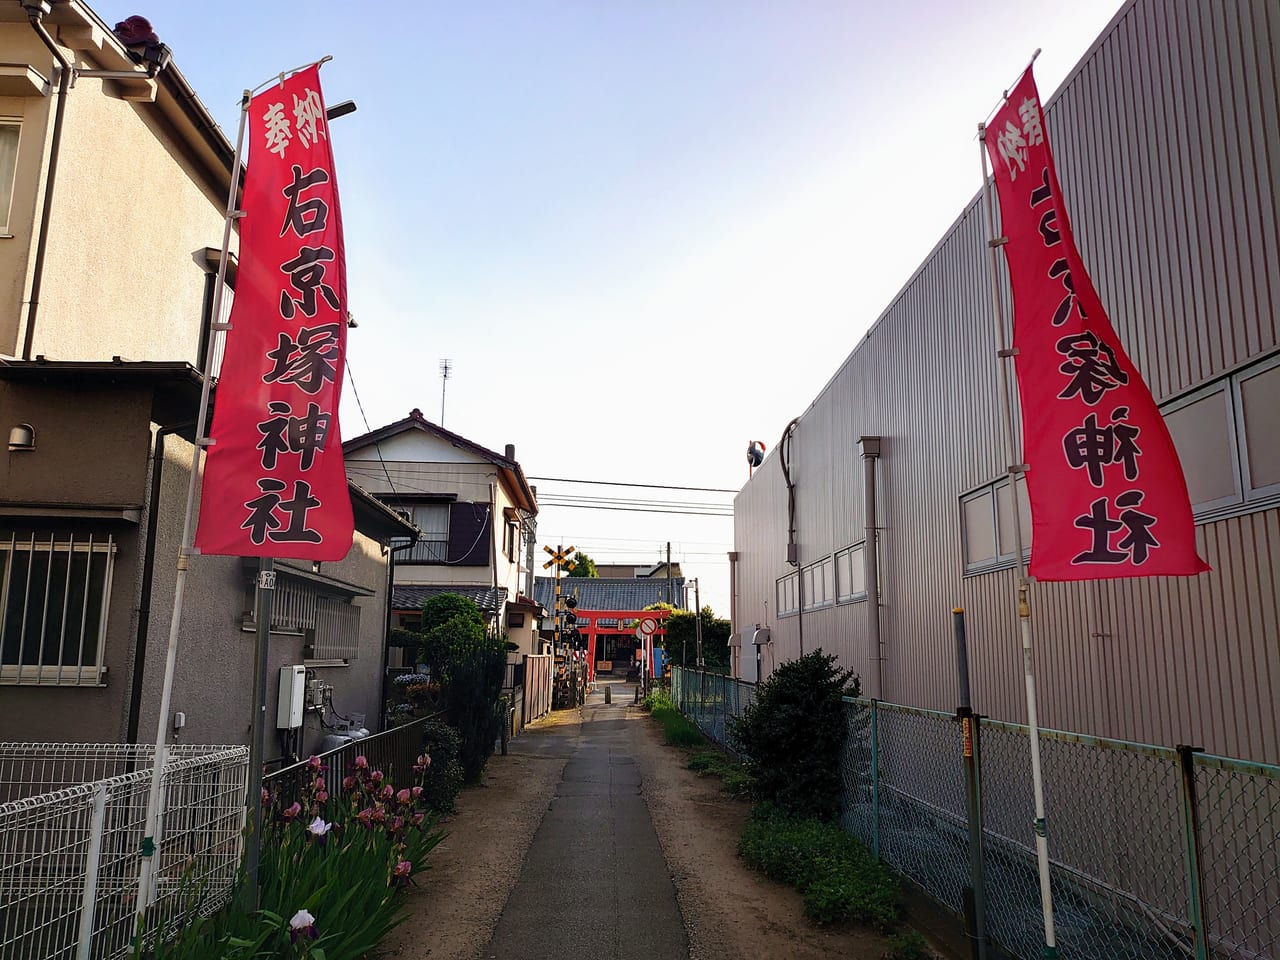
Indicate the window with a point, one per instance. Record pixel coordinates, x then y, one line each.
511 541
788 594
337 630
987 525
1225 437
433 545
515 620
851 574
10 133
1259 390
329 624
1201 429
55 590
819 584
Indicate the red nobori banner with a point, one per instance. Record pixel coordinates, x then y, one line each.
1108 498
274 483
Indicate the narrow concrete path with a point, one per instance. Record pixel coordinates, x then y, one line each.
595 883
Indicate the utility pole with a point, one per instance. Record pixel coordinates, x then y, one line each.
670 595
697 612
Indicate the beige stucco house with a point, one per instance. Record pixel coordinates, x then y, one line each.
112 190
475 511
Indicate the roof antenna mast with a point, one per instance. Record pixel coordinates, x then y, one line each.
446 371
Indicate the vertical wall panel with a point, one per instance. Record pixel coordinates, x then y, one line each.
1167 138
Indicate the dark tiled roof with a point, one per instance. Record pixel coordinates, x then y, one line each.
609 593
409 596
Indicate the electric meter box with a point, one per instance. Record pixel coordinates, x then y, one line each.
293 697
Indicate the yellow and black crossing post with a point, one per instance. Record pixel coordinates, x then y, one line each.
561 560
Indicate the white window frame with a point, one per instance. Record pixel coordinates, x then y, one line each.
1234 424
84 674
13 184
1250 494
854 596
788 583
823 571
1246 500
1001 560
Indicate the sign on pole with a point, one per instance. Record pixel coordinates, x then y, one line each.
274 483
1108 497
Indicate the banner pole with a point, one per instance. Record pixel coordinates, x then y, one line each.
1050 951
149 840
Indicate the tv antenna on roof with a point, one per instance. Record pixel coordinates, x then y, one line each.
446 371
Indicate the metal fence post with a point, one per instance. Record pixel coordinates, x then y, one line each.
89 896
875 782
1191 838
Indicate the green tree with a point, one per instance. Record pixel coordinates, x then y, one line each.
681 641
470 665
443 607
584 566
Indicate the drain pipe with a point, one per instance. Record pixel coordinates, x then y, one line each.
36 9
871 557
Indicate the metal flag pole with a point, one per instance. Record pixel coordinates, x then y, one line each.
1015 468
150 839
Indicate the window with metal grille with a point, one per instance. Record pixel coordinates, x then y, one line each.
330 624
55 589
337 634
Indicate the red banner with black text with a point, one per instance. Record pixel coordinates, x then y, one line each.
274 483
1108 497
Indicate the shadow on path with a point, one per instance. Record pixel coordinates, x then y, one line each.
595 883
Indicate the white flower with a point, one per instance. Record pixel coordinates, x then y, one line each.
301 920
319 828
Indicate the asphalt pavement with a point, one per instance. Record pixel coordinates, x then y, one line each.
595 883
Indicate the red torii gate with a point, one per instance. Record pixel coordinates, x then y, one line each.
589 626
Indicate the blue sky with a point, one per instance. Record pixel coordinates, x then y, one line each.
645 232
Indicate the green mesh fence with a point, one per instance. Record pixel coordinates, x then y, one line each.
1239 818
1146 863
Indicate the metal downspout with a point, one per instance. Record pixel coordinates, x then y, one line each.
36 16
871 562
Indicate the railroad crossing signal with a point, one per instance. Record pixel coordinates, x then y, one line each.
560 557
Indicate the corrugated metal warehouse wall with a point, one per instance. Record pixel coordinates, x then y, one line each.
1167 140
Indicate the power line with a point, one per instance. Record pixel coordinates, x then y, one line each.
368 429
647 486
678 513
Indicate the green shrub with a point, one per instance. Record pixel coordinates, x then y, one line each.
837 876
443 778
472 671
793 735
908 945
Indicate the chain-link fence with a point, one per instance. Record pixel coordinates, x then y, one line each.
71 828
711 700
1156 853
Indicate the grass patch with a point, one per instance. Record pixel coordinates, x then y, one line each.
734 778
677 729
837 876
